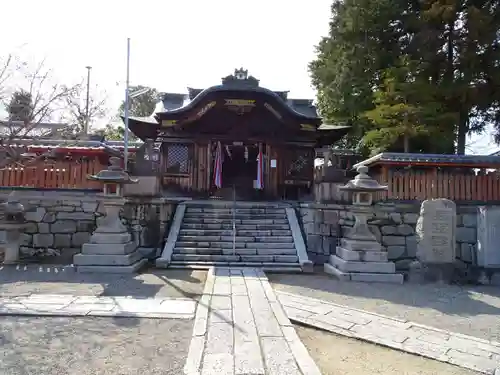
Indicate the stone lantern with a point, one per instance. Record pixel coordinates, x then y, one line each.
360 257
12 223
111 248
114 176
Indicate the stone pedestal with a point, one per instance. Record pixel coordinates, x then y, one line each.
327 186
329 192
148 186
111 248
10 244
360 257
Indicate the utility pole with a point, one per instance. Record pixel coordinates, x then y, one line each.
86 128
127 103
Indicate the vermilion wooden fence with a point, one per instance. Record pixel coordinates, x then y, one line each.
56 175
421 185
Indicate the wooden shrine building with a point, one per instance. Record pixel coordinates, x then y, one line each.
242 122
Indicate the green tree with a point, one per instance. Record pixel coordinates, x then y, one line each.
20 107
142 105
115 132
394 116
406 109
466 69
362 42
454 45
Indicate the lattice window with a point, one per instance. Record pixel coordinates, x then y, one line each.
300 164
177 158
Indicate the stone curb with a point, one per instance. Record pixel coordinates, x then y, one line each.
445 346
69 305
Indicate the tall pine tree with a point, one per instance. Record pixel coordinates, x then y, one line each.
453 46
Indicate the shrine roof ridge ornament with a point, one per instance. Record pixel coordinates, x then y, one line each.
240 78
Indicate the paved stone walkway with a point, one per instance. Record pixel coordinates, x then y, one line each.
457 349
240 328
68 305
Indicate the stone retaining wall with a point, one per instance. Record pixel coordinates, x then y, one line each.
392 223
61 224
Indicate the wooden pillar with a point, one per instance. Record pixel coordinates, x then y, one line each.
209 167
272 173
385 180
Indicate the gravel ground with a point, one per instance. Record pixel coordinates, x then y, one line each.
336 355
468 310
60 280
93 346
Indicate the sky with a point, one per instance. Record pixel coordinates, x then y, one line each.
175 44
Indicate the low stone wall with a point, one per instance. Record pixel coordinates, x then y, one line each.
392 223
60 223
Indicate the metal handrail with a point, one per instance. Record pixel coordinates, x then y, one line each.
234 220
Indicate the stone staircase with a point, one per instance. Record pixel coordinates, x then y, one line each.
203 237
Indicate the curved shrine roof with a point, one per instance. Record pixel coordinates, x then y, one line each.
239 81
238 104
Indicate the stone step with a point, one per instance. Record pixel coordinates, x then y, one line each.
236 258
183 238
200 250
274 268
202 220
230 204
229 251
236 216
229 226
229 244
270 245
246 239
229 232
232 264
252 211
214 245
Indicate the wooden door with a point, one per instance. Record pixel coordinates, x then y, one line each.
201 167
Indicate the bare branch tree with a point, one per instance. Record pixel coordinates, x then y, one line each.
47 101
5 74
76 108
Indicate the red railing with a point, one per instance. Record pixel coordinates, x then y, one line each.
56 175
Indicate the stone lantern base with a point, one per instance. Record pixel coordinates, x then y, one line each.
9 245
111 249
362 260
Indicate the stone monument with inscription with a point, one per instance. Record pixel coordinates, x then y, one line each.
436 241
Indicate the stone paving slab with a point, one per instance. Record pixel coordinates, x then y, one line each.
69 305
240 328
454 348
